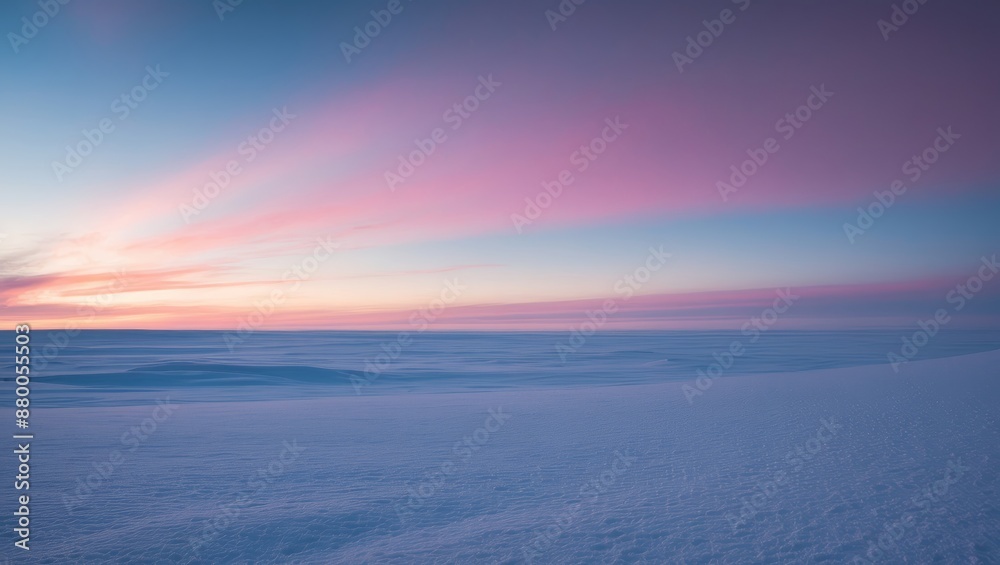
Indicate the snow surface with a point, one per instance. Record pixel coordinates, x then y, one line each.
610 474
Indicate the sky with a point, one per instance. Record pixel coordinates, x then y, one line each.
497 165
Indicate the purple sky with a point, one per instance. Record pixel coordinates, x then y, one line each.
471 146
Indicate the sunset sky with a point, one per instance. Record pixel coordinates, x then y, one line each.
124 232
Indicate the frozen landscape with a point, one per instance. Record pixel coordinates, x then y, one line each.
850 464
563 282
